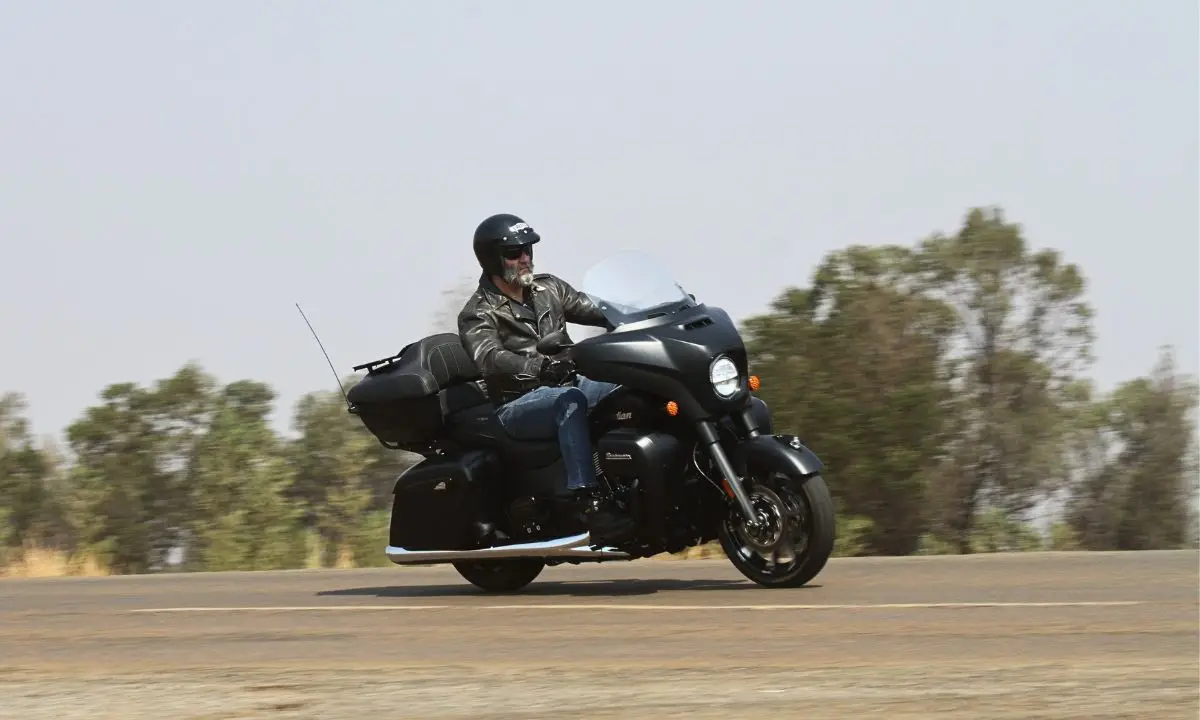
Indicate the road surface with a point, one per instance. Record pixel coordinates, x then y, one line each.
1042 635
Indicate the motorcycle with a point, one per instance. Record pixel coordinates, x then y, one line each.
684 446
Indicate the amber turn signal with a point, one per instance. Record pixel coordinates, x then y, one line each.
755 383
672 408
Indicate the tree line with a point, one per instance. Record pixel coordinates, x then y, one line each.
944 383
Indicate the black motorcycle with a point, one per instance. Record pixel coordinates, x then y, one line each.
683 445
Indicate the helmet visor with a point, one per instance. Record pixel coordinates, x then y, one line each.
520 239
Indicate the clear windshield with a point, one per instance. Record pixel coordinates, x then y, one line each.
632 285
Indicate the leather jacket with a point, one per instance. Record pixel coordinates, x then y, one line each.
501 334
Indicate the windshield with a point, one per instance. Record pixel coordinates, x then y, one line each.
631 286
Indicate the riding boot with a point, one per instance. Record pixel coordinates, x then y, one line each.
606 523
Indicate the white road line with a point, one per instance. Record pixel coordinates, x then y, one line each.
644 607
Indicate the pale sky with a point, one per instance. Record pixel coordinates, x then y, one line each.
174 176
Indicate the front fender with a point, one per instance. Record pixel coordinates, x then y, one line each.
779 453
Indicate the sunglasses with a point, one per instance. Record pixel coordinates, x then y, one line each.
514 253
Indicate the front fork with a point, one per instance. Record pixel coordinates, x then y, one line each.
708 435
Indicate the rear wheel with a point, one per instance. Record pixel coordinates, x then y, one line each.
796 535
502 575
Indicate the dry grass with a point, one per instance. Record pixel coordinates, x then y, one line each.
700 552
345 559
34 562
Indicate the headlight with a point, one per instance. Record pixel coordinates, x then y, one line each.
724 377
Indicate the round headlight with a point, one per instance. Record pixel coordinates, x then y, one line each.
724 377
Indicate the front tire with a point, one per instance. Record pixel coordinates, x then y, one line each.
498 576
797 538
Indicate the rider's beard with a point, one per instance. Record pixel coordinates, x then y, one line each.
521 276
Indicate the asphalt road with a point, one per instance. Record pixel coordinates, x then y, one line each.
1049 635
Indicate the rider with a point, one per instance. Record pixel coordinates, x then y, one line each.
537 396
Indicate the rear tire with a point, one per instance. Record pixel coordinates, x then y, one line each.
799 538
499 576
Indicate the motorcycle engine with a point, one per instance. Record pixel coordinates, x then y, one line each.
526 516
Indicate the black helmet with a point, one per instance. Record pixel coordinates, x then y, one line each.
496 235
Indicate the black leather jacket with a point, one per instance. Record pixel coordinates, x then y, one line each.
501 335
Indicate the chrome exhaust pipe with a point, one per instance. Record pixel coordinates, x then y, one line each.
571 547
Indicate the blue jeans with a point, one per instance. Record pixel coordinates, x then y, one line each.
548 411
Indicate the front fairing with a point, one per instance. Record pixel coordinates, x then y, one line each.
669 357
663 342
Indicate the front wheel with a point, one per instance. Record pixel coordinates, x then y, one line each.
795 538
501 575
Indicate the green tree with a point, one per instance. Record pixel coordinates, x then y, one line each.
30 512
131 497
343 479
1024 335
854 366
1138 487
240 517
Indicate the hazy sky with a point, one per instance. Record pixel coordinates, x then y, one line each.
173 177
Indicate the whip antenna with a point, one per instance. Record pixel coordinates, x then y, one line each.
331 368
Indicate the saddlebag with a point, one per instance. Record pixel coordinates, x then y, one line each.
438 500
401 400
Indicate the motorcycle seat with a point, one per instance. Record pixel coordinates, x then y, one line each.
471 419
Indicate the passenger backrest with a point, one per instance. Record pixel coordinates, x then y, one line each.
444 356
